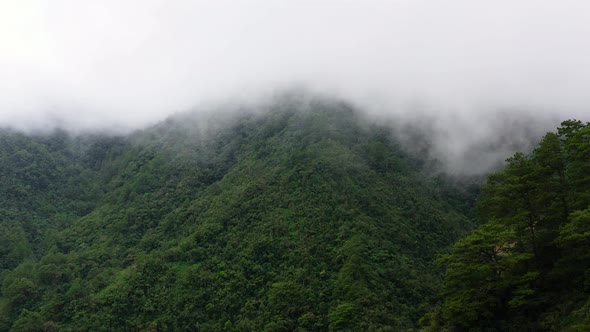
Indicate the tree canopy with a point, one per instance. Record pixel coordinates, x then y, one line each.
527 266
288 220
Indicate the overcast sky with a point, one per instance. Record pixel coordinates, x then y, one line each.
132 62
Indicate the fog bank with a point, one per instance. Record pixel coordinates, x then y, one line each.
132 63
123 65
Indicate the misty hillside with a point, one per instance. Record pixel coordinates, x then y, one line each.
286 220
309 165
301 216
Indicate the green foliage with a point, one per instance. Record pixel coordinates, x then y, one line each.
528 266
290 220
342 317
28 322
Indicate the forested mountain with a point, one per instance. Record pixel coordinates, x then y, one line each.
301 217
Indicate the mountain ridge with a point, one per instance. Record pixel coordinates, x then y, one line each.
290 219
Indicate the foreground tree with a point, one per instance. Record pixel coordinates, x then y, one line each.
528 266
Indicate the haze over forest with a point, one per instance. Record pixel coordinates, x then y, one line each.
465 72
294 165
122 65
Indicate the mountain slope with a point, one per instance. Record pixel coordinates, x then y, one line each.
304 217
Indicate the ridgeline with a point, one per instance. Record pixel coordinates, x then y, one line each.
303 216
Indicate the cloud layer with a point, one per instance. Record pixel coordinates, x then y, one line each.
96 64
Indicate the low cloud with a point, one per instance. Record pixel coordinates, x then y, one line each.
129 64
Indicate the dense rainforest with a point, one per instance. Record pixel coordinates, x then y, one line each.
303 216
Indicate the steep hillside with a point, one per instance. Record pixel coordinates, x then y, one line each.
45 184
301 217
